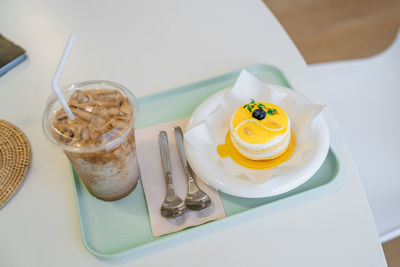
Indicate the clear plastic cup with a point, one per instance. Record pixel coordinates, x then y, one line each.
100 141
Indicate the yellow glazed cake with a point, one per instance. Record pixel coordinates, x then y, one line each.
260 131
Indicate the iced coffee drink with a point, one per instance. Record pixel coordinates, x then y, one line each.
100 140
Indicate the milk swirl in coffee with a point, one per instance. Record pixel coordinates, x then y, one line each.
103 123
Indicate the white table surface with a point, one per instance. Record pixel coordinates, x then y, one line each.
150 46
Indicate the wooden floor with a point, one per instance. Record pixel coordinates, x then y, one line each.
329 30
392 252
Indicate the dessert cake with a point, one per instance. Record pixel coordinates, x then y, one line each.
260 131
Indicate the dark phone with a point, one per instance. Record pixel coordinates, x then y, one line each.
10 55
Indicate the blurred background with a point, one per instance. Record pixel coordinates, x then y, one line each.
354 45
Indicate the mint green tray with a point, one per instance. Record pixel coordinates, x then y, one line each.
111 230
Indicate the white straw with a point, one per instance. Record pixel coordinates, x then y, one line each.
56 77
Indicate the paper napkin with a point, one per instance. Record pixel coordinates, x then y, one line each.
211 131
154 184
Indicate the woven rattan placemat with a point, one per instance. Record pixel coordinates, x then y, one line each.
15 157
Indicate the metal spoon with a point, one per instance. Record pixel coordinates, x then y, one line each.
195 199
172 206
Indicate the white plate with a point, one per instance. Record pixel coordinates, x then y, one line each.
215 176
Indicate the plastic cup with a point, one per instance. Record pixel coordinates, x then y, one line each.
100 141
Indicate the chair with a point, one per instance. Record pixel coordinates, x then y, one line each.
364 94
